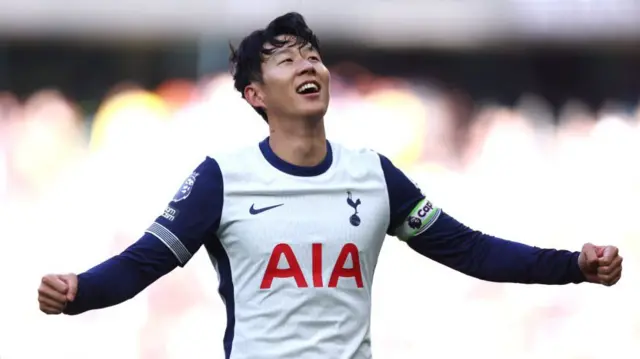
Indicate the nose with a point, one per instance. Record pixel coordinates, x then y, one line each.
306 68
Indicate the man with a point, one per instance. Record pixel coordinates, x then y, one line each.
295 224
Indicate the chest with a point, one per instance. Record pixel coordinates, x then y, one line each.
330 216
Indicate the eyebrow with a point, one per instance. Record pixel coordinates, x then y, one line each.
284 50
292 48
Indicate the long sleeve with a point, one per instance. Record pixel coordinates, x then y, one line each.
482 256
436 235
189 221
122 277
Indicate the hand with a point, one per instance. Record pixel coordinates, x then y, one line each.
55 291
601 265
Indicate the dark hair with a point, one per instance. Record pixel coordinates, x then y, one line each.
247 59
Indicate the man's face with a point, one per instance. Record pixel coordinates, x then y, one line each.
295 82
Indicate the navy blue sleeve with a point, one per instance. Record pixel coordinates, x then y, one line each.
404 195
485 257
193 216
190 220
123 276
434 234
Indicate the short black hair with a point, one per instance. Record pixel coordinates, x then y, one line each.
247 59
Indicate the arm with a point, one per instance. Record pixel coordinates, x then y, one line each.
482 256
124 276
434 234
191 219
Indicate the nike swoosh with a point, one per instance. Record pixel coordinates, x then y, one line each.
260 210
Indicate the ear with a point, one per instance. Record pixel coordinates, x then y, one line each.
254 95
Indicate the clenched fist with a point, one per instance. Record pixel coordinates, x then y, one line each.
55 291
601 265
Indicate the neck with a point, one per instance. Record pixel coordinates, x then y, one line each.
300 143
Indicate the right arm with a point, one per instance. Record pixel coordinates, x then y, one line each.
122 277
191 219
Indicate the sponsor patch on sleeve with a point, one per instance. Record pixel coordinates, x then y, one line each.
419 220
170 213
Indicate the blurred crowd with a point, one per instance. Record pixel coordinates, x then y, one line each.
76 188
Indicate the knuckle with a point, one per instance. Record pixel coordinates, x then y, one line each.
616 265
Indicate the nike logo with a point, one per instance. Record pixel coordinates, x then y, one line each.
254 211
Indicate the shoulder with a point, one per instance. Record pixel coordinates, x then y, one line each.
205 177
209 169
356 157
359 157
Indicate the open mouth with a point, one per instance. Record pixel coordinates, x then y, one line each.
309 87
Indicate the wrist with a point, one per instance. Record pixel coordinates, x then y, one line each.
74 307
576 273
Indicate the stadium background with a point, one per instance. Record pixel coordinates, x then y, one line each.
521 118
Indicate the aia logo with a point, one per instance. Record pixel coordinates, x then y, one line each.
294 271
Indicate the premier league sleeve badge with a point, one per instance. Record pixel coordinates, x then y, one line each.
185 189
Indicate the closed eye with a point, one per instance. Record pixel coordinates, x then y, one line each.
314 58
285 61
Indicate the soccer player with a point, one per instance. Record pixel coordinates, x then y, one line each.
294 224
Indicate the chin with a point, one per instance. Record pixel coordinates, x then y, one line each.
318 114
313 111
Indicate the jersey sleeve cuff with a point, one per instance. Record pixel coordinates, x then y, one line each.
171 241
574 269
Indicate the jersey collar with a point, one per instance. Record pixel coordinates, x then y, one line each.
288 168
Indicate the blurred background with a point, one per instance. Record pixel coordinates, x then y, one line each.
520 118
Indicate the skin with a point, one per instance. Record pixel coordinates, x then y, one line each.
296 122
602 265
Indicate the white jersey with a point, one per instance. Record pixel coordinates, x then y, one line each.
295 248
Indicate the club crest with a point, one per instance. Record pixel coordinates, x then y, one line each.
354 219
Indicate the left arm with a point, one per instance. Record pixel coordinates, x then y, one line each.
482 256
434 234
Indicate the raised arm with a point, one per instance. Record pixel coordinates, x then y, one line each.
431 232
190 219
